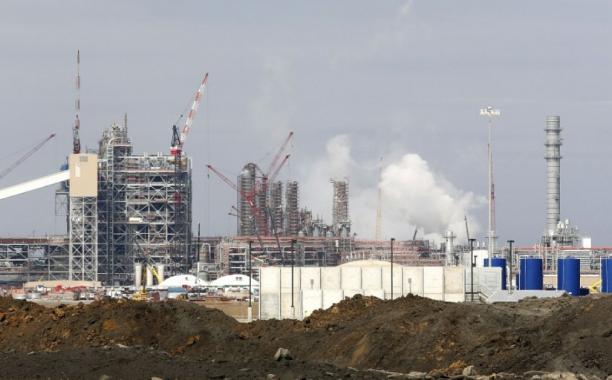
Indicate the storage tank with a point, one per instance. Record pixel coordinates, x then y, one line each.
531 276
568 275
498 262
160 270
606 274
149 276
137 275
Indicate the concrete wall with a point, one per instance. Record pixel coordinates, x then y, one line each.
320 287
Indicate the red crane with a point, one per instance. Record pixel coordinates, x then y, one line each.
178 139
21 159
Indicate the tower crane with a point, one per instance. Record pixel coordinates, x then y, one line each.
25 156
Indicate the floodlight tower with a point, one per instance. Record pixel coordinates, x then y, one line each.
490 113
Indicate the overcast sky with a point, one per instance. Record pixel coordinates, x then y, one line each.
402 80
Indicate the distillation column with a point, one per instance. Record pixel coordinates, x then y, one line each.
553 173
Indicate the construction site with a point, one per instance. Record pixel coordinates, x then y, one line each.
289 294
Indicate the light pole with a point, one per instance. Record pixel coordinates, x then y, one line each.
510 242
293 241
472 268
392 241
490 113
250 310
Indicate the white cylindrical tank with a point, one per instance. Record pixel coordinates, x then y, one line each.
160 271
149 276
137 275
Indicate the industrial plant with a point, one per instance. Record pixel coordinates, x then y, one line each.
129 222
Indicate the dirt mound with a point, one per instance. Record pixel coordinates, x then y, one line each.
414 333
403 335
175 327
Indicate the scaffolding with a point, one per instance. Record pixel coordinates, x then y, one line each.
292 213
29 259
246 185
144 208
276 207
83 237
341 224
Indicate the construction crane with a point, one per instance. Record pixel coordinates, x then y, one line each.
76 138
268 176
178 139
24 157
176 150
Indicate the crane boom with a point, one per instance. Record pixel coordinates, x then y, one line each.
27 155
278 168
178 140
278 154
194 109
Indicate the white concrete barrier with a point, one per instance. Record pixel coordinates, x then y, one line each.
315 287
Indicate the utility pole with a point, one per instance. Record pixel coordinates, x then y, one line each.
250 310
472 268
378 232
392 241
510 242
293 241
490 113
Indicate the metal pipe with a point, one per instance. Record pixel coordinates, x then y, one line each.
250 271
293 241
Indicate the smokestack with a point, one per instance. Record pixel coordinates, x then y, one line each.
553 173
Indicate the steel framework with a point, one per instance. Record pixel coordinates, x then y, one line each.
83 236
144 203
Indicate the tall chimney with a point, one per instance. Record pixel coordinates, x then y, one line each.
553 173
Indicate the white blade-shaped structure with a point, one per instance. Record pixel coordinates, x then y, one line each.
34 184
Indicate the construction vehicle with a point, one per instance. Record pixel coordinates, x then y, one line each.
595 287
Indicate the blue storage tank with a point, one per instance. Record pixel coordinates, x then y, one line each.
498 262
531 275
606 274
568 275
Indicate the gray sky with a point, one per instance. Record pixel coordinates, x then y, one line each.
394 77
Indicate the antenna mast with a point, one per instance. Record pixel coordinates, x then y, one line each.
76 139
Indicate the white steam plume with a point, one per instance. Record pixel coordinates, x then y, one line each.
413 196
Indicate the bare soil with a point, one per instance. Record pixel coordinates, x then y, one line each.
127 339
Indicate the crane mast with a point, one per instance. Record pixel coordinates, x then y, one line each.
76 138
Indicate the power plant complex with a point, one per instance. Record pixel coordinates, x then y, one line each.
127 210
